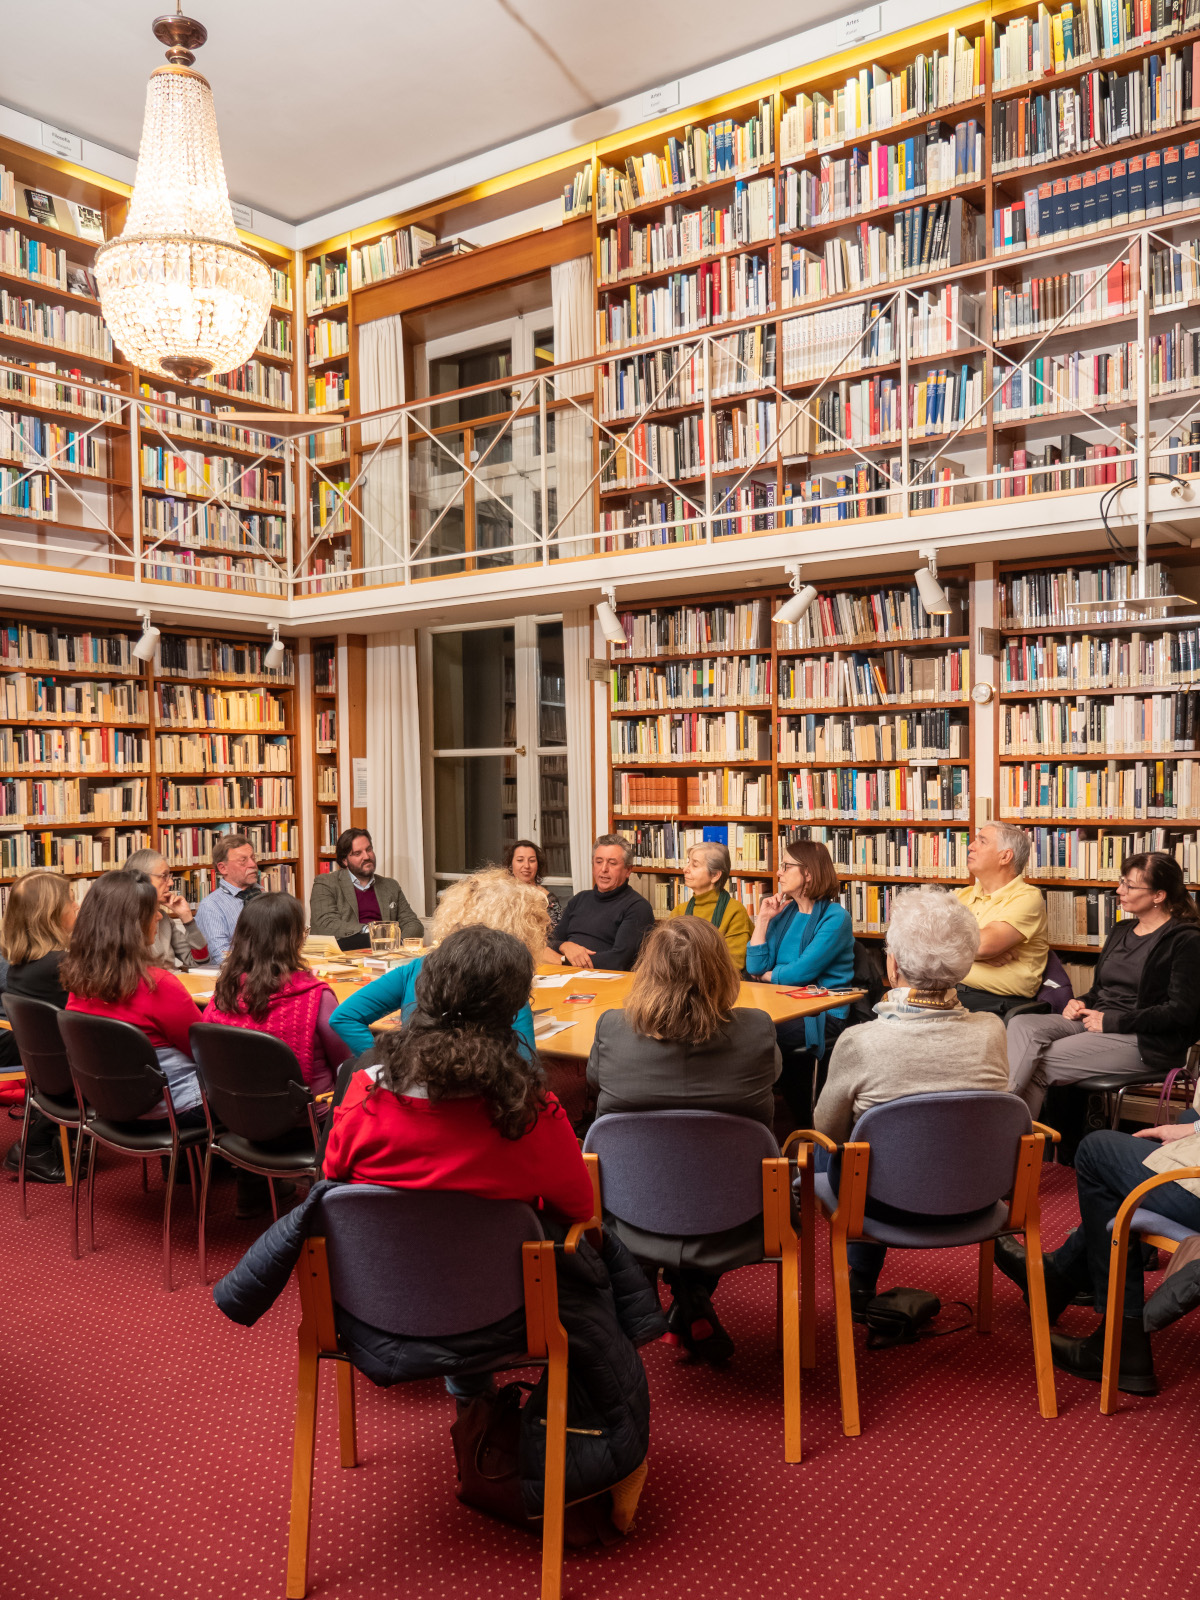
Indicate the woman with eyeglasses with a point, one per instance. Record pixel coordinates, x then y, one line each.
178 942
803 935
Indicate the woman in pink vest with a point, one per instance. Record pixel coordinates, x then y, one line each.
264 984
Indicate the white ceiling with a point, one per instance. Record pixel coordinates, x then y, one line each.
320 103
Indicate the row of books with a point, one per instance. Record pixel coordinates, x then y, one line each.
845 339
72 749
33 699
326 283
30 494
200 418
226 797
666 844
25 800
327 786
680 237
1126 725
938 159
23 257
240 574
28 438
921 853
271 386
192 847
1030 471
331 444
869 905
219 753
29 644
729 289
329 506
1066 299
693 630
65 329
577 195
724 149
1079 854
1026 48
664 894
885 677
674 376
877 98
1075 381
326 731
922 239
721 791
276 337
1040 598
187 706
192 472
856 492
329 390
63 390
1101 661
328 337
181 655
885 616
691 736
655 451
212 527
707 681
397 252
69 853
1152 790
909 736
1081 916
1121 194
50 210
871 411
876 794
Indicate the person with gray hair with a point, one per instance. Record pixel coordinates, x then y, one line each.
178 941
1013 947
925 1040
705 874
604 926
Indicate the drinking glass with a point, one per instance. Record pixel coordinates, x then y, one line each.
385 938
414 946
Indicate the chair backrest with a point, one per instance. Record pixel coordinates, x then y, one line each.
253 1080
425 1262
113 1064
39 1044
943 1154
1057 997
681 1172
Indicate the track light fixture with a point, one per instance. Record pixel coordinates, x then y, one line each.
275 653
146 646
792 610
933 596
606 616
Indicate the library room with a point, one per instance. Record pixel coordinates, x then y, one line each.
600 799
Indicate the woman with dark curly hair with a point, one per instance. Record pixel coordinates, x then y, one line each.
457 1104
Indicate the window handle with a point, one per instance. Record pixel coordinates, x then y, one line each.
520 750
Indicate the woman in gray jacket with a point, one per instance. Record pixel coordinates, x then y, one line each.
679 1045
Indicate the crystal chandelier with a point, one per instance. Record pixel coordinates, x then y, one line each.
181 295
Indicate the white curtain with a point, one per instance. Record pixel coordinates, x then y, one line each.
380 384
394 761
577 647
574 338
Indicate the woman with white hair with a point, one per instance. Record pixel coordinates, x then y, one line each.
925 1041
705 874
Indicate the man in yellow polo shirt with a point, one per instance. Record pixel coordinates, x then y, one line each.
1012 921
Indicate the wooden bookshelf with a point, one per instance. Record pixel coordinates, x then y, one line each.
326 734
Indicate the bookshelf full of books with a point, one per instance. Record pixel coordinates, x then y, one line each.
326 797
852 727
102 755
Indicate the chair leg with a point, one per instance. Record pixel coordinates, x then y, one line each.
25 1121
1039 1320
93 1162
79 1144
172 1164
808 1278
64 1140
274 1201
983 1301
779 1305
303 1451
844 1329
789 1281
205 1179
1118 1105
554 1510
1114 1316
190 1154
347 1429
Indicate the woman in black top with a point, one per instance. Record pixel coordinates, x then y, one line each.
35 935
1142 1013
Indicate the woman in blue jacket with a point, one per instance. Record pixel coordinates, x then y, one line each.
804 935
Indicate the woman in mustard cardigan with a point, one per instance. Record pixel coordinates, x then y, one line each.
707 869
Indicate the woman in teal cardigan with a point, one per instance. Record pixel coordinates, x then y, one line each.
804 935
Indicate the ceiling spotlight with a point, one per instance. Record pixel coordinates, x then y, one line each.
933 596
792 610
606 616
276 652
146 646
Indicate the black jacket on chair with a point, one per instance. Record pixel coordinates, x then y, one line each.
604 1303
1166 1018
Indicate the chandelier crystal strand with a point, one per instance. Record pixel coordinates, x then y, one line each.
183 297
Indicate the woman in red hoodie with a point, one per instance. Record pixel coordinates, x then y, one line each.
265 985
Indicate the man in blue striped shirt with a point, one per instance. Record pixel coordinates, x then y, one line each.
237 882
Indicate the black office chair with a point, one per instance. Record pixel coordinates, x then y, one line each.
261 1114
49 1088
118 1080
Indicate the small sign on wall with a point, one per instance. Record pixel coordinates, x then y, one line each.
859 25
67 146
358 769
597 670
243 216
663 98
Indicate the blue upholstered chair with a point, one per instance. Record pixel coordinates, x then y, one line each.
965 1166
425 1263
685 1174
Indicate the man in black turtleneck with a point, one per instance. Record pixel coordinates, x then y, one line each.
604 927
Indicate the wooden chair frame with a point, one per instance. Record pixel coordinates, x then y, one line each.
846 1227
781 1245
1114 1315
545 1337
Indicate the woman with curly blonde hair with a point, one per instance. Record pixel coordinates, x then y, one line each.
491 899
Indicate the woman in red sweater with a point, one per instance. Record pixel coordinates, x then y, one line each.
107 973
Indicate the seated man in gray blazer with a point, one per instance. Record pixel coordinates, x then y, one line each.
345 901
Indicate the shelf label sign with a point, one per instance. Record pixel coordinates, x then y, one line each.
243 216
661 99
67 146
858 26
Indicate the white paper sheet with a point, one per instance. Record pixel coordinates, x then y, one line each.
554 982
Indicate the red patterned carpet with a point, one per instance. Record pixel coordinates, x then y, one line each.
148 1451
